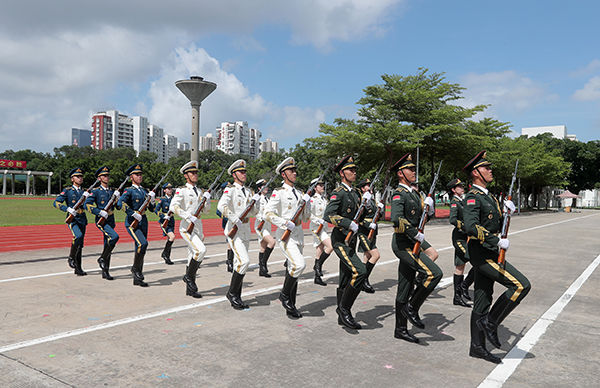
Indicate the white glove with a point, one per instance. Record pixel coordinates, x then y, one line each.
290 225
116 193
152 195
192 219
256 198
137 216
103 214
509 205
420 237
86 194
367 196
320 221
381 205
72 211
206 195
239 223
373 226
306 198
353 227
166 218
503 243
429 202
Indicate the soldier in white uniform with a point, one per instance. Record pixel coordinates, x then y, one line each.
265 239
280 210
236 197
322 240
184 204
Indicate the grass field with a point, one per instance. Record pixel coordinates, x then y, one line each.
16 211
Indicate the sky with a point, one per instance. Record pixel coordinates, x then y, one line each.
287 66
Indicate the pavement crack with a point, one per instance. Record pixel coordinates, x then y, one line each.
37 370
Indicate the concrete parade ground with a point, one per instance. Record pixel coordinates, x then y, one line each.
62 330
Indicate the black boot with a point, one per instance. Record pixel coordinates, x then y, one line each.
229 260
266 255
366 285
319 263
458 295
166 253
318 268
235 290
72 256
262 265
464 287
287 296
319 280
477 348
104 262
411 309
489 323
344 314
401 332
78 270
190 279
136 270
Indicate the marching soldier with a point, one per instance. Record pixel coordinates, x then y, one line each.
407 208
229 260
184 204
366 246
321 241
65 200
95 204
343 205
162 209
236 197
265 239
459 240
280 210
132 199
483 222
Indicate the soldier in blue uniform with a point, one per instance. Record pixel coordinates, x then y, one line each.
95 204
162 209
65 202
133 197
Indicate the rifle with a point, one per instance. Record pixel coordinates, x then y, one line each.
362 206
302 205
146 203
111 203
424 215
202 203
247 210
507 214
80 202
380 212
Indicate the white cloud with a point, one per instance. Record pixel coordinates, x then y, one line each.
590 68
590 91
507 92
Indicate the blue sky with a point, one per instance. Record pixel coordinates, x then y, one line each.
285 67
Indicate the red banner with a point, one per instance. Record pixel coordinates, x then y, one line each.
5 163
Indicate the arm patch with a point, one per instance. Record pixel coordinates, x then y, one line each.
470 202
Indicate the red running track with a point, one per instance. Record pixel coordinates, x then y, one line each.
36 237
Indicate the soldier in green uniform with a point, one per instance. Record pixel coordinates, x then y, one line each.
340 211
459 239
407 207
483 222
366 246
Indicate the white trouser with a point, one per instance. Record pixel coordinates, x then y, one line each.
239 244
196 248
265 231
292 249
318 239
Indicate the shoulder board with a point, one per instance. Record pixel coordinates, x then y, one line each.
401 189
338 189
475 191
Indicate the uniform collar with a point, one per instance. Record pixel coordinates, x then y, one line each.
76 187
457 197
135 186
238 185
482 189
410 189
348 187
104 187
288 187
189 185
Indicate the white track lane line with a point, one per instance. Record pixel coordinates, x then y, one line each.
513 358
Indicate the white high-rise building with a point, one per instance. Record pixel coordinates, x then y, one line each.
557 131
208 142
140 134
170 147
269 146
237 138
155 142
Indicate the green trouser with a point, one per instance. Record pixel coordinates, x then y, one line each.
364 244
352 269
409 264
487 271
459 241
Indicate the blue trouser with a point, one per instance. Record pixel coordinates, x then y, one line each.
78 231
139 235
110 236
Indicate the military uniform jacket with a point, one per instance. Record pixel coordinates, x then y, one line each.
457 218
483 218
185 202
260 214
132 199
97 201
282 206
407 207
162 208
317 208
340 211
232 204
68 198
